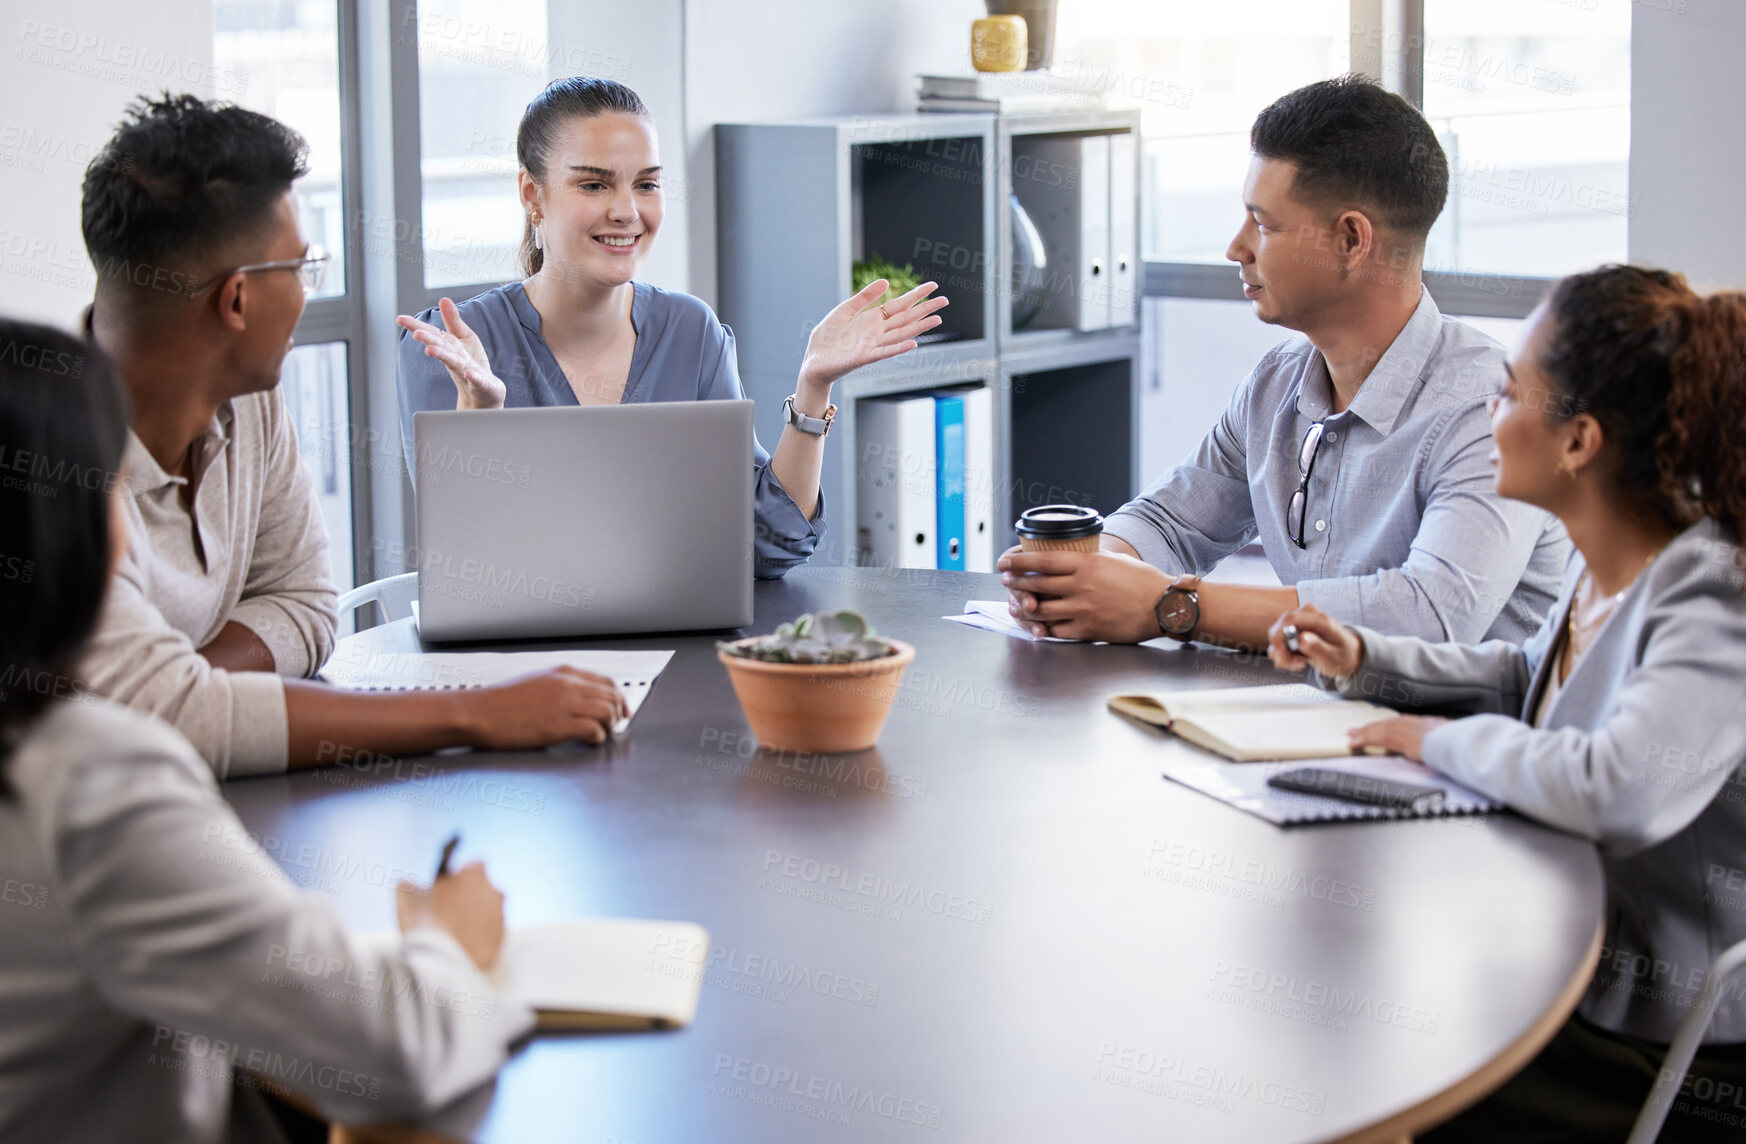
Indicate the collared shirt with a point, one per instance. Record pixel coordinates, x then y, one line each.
252 549
682 354
149 946
1405 532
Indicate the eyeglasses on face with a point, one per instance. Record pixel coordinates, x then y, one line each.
311 270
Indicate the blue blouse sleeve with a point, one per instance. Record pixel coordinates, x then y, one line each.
424 383
782 536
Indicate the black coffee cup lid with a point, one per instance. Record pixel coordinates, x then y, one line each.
1059 522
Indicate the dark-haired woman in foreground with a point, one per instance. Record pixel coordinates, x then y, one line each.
579 330
1624 718
149 948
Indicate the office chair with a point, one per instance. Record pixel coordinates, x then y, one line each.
392 595
1685 1046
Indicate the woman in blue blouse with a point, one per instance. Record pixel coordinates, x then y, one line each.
579 330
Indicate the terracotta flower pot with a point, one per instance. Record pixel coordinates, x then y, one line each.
821 708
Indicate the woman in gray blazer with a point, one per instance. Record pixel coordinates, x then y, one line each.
1624 718
579 330
158 970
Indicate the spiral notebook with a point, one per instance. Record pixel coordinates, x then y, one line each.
1244 786
635 672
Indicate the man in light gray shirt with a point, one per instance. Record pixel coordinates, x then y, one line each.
225 603
1358 454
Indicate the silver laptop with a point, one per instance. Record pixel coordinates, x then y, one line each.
590 521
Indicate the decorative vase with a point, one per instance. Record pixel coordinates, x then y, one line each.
997 44
820 708
1039 17
1030 267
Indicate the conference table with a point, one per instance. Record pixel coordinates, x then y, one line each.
1001 923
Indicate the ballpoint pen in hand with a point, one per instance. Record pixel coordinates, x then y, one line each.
448 852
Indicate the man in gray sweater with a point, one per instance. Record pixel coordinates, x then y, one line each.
224 604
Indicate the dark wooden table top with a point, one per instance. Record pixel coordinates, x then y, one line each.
999 924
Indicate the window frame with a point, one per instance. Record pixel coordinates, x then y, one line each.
342 318
1403 72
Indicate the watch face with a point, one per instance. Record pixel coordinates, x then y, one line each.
1178 612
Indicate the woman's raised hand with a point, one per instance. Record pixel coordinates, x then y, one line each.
861 331
461 352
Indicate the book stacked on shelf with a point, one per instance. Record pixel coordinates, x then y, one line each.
1006 93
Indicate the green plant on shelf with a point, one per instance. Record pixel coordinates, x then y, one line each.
817 637
898 281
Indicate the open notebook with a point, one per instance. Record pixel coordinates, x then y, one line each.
605 973
1252 724
635 672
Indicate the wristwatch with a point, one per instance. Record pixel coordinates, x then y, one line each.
1178 609
817 426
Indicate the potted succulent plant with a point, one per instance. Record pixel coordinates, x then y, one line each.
823 684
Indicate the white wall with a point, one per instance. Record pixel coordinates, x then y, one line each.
750 60
71 66
1688 139
651 35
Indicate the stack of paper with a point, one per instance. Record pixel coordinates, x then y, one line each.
354 668
992 616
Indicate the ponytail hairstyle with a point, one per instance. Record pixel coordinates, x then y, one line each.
1663 370
62 407
581 97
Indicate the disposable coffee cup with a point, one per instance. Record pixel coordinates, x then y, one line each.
1059 528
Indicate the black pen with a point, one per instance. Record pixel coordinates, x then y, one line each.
448 852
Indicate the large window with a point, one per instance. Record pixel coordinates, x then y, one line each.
1199 73
286 59
1533 103
1531 100
479 64
316 394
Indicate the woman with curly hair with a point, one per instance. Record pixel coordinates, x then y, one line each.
1624 719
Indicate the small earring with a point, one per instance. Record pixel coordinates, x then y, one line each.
539 239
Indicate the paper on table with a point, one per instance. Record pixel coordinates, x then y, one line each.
605 972
352 667
991 615
1244 786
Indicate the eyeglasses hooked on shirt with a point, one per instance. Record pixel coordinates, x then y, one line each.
1298 510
